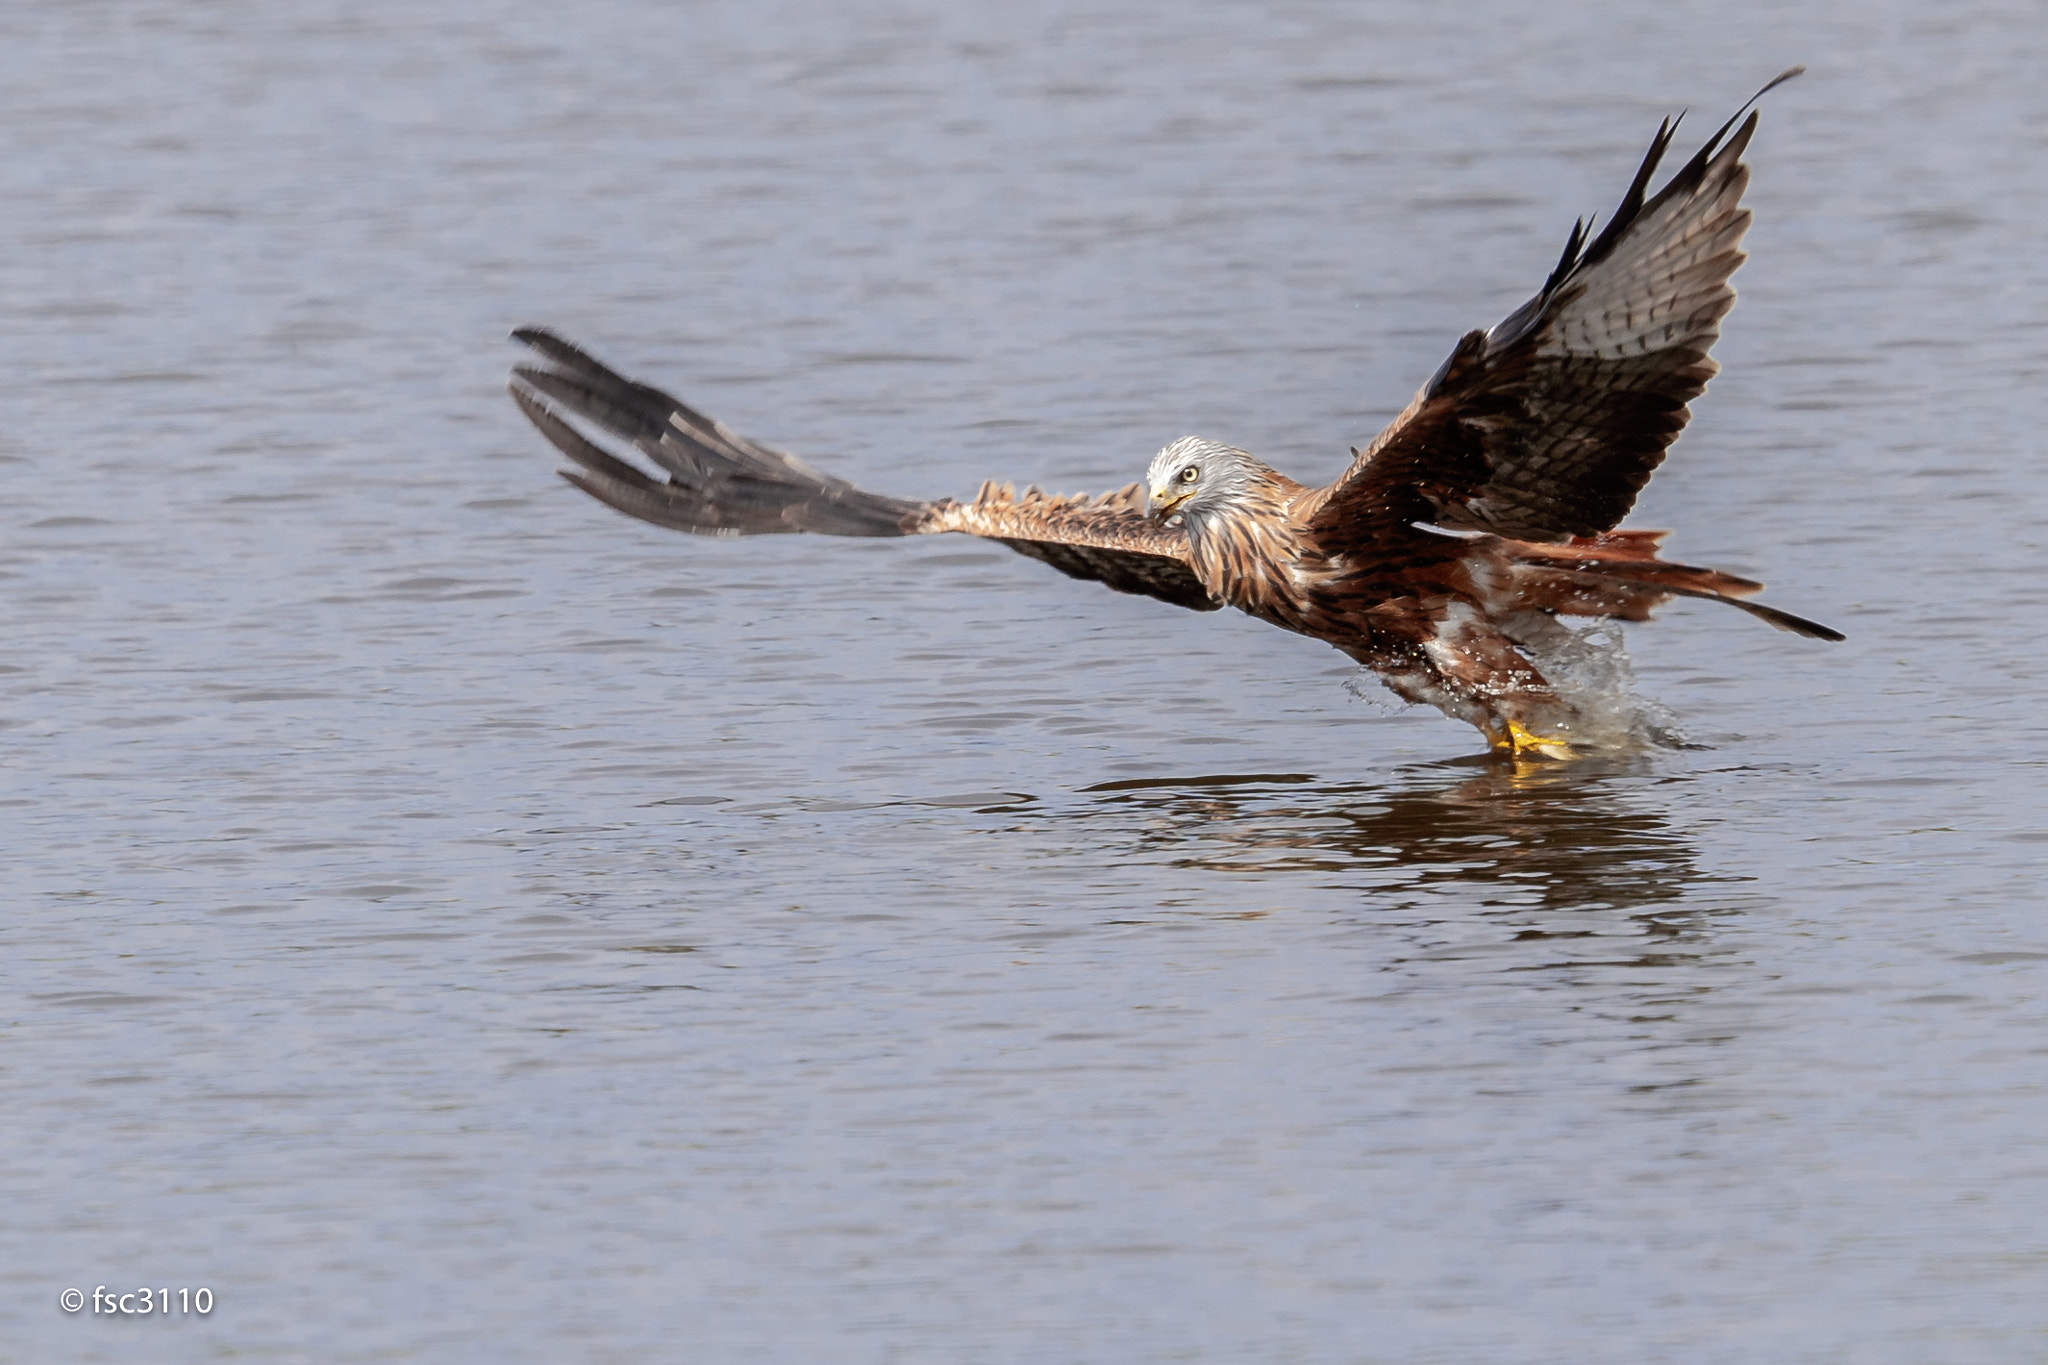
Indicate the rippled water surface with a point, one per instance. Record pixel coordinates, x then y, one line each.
453 922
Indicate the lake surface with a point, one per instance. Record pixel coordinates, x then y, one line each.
450 921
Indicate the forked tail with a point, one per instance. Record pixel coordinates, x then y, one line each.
1618 575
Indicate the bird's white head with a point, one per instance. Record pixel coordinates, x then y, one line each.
1194 476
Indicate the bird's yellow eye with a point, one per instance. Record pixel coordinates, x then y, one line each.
1190 474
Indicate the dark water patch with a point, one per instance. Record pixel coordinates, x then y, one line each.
1363 81
66 523
976 799
1217 780
102 1000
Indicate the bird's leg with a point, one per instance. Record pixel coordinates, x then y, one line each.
1520 740
1483 678
1512 739
1472 672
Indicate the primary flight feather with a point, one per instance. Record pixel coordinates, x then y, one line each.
1440 559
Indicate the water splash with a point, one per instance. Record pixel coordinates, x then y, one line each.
1590 667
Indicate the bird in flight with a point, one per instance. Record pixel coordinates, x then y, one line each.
1441 558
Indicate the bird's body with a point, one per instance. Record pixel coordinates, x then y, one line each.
1442 557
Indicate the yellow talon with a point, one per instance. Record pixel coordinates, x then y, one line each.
1519 740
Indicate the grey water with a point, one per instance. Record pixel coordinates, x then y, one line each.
449 921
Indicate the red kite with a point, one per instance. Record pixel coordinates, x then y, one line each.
1447 549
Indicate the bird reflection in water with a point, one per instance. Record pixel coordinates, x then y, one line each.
1524 835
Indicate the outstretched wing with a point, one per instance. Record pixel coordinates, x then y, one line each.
714 482
1109 539
1549 425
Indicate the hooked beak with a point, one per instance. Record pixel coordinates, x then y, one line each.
1165 502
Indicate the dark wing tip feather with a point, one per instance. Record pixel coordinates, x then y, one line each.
719 483
1689 175
1631 206
561 351
572 442
1517 324
1580 252
1570 256
650 502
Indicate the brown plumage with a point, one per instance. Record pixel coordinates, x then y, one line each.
1439 559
